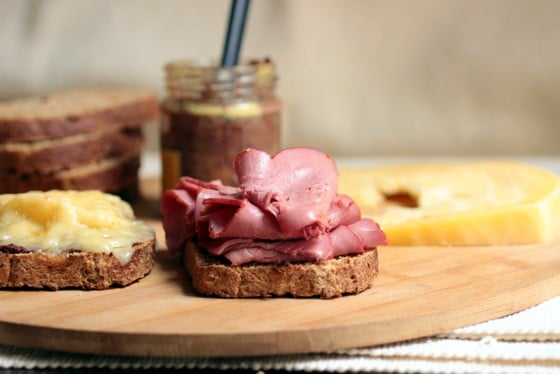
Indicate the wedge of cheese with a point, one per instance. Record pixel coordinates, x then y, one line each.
475 203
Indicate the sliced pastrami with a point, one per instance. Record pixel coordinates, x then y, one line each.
343 240
296 186
286 209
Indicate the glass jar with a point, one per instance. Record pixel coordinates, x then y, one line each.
212 113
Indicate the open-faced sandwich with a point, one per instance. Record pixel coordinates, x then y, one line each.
284 231
71 239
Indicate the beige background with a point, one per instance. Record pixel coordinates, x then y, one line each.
357 77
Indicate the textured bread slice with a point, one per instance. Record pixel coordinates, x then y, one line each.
74 112
111 175
72 239
51 155
73 269
327 279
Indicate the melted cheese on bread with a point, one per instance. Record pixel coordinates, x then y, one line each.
56 221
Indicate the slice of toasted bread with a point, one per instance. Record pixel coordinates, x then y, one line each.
326 279
74 112
73 269
46 156
110 175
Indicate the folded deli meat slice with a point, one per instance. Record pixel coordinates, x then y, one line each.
243 219
343 240
296 187
286 210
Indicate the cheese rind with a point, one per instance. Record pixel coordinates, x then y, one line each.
56 221
477 203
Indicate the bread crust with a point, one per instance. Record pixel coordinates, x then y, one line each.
110 175
74 112
43 157
79 140
74 269
327 279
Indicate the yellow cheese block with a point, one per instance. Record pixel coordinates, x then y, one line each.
473 203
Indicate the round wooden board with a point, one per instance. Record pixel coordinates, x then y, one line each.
419 292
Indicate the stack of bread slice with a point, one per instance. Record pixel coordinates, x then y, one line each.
79 140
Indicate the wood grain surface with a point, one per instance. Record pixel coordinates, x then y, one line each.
420 291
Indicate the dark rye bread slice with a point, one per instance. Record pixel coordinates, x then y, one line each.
73 269
74 112
46 156
111 175
333 278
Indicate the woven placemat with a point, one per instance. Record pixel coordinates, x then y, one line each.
525 342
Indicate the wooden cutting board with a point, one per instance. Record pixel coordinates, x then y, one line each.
419 292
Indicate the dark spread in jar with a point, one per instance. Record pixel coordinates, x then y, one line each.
206 122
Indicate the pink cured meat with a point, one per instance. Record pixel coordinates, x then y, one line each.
296 186
180 208
285 210
343 240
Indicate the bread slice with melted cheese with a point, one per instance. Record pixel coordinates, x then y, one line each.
72 239
469 203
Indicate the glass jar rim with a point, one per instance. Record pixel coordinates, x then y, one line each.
209 65
204 77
